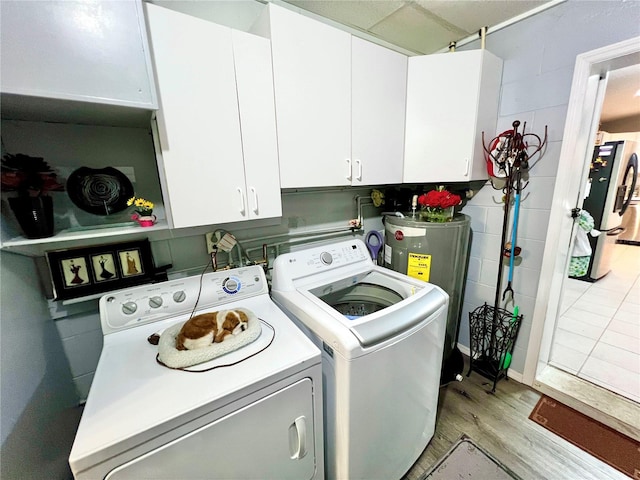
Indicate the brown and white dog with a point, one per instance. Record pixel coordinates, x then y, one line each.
209 328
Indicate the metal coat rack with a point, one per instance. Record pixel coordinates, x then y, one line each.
493 330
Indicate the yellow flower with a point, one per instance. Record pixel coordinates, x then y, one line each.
142 206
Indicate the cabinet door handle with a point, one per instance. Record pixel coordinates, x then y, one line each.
359 175
255 200
466 167
241 194
349 169
298 438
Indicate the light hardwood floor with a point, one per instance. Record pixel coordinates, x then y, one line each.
499 423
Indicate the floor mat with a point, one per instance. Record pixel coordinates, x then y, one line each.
601 441
466 460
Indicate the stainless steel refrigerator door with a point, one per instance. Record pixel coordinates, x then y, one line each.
631 224
616 194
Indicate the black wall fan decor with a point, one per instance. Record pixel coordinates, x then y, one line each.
100 191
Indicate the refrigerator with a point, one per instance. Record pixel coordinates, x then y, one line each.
612 180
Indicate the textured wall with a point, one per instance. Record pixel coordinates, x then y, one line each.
539 55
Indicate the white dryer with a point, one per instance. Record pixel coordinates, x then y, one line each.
382 338
252 413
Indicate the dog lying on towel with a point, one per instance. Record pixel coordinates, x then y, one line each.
208 328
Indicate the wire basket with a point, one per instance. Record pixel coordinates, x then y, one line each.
493 332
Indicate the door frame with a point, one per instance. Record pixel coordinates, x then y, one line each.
576 144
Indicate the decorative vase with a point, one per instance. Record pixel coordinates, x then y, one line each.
437 215
144 220
34 214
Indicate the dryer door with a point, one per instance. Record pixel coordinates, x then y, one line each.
270 438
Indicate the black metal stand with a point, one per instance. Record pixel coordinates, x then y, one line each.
492 334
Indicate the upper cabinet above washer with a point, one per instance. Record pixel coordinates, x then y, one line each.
339 103
216 136
451 99
378 99
80 51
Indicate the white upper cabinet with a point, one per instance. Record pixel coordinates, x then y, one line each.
339 102
379 92
254 81
312 82
451 99
71 50
208 115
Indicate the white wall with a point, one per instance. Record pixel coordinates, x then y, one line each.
539 55
37 422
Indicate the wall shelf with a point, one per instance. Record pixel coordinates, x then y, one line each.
70 238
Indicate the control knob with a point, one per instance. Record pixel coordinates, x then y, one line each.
179 296
155 302
129 308
326 258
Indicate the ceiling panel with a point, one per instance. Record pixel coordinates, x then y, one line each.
362 14
421 26
471 16
416 29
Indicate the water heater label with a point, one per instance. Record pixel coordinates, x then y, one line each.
419 266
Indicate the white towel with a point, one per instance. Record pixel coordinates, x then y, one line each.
174 358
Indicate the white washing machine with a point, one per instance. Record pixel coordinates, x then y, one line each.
252 413
382 338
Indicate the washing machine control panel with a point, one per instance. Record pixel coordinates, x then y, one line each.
302 263
151 303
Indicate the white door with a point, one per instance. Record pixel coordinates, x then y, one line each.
442 96
379 95
451 99
254 80
198 120
312 81
272 438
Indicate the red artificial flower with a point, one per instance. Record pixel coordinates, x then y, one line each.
439 199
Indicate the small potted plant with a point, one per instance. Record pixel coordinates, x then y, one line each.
143 211
32 179
438 205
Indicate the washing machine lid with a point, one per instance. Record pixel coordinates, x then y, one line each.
316 283
133 399
376 305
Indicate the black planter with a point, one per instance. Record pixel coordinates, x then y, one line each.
34 214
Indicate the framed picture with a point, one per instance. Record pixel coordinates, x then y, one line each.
85 271
104 267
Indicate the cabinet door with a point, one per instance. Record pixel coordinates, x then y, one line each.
254 80
90 51
312 81
379 95
198 123
451 99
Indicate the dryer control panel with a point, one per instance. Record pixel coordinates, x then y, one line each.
151 303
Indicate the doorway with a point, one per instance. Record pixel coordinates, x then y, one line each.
578 140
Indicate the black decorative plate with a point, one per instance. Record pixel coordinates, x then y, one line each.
101 191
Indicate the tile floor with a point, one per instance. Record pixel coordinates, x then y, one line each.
597 336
